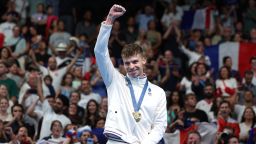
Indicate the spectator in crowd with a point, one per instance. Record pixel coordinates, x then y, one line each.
28 92
86 136
143 17
185 84
51 112
226 34
224 120
23 136
249 16
74 98
5 116
193 137
192 114
226 85
87 94
67 13
98 130
40 49
227 61
7 27
202 76
21 121
59 36
253 69
17 45
253 36
51 20
174 106
73 115
233 140
86 26
78 76
6 53
61 54
47 86
248 122
145 44
21 7
207 103
16 73
56 133
66 85
5 137
248 101
39 18
97 83
131 30
91 113
172 14
4 94
154 36
9 83
248 84
104 106
195 56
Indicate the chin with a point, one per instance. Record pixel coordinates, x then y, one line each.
133 75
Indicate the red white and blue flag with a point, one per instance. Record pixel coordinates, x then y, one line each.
240 53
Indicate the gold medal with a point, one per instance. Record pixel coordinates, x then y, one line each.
137 116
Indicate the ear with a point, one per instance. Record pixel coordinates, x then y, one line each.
144 60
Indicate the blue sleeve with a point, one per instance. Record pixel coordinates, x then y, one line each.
102 54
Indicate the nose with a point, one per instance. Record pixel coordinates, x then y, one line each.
131 66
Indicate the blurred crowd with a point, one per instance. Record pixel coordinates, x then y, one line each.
52 92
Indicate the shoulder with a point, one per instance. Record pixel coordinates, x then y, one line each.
9 81
47 138
201 102
200 111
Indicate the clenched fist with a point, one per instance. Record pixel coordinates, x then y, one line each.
115 12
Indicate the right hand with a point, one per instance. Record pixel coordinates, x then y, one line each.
115 12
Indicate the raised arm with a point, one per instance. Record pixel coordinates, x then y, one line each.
74 60
101 48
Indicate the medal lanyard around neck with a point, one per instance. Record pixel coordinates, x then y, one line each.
136 105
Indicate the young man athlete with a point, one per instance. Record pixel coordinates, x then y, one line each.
136 107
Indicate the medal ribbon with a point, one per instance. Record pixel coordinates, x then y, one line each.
136 105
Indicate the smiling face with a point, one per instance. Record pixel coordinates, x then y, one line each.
134 65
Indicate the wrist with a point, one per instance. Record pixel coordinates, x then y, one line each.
109 20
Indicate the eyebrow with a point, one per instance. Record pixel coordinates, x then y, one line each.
132 61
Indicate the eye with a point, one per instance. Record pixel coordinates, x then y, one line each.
135 61
127 63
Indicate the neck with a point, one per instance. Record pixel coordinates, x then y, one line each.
138 77
253 40
208 100
3 77
55 136
87 92
248 121
225 117
248 103
190 109
3 112
248 82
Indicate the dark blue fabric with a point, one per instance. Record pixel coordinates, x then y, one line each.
187 20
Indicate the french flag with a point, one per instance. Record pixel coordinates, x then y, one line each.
198 19
240 53
207 131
